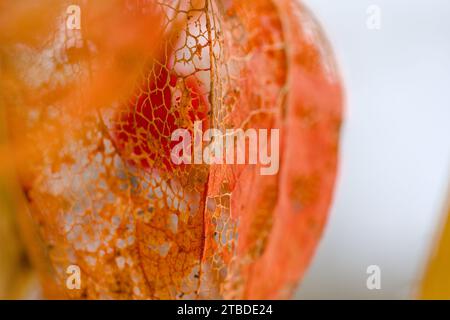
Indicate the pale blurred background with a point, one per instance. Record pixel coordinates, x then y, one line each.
396 147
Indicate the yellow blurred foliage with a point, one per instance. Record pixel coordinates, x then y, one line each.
436 281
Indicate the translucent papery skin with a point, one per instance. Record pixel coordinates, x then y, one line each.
91 113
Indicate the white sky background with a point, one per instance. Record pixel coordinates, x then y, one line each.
395 161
